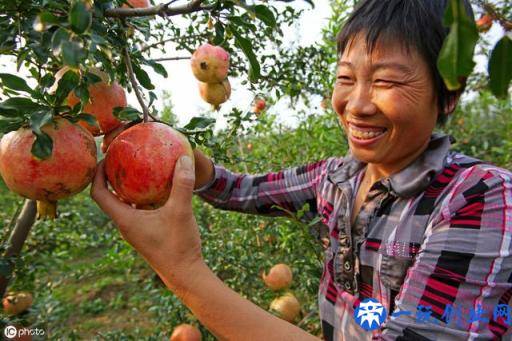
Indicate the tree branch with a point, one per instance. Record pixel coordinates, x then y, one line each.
134 83
163 10
169 58
495 15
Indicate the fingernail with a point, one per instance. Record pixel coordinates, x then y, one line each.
186 162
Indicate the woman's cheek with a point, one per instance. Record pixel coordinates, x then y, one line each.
338 100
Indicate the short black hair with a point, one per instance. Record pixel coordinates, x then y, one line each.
417 24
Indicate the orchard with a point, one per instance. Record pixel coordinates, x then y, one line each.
68 69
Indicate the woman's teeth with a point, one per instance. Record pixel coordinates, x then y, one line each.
365 134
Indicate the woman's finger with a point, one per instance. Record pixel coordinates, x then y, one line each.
107 201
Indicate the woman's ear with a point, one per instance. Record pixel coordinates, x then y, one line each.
451 103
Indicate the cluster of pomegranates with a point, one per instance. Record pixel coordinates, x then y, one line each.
280 278
210 66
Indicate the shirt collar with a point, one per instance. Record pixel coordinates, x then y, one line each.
410 180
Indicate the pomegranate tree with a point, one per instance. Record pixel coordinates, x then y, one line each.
210 63
140 163
68 170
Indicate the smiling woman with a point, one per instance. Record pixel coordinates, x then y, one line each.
417 237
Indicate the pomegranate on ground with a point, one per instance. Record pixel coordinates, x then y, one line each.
185 332
210 63
215 93
68 170
15 303
280 277
287 307
140 163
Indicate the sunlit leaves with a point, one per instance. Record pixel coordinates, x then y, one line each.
500 67
455 60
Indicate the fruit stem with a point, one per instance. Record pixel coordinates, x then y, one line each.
46 210
135 86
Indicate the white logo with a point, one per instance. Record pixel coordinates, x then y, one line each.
10 332
370 314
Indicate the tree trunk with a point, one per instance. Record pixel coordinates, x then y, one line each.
16 240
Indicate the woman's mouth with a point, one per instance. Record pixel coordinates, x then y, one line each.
365 135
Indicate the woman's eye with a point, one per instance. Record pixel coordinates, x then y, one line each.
345 79
384 82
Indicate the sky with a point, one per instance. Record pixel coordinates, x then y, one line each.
182 85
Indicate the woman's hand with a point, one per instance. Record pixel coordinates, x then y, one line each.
168 237
204 169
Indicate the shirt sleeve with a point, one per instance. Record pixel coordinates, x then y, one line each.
271 194
460 284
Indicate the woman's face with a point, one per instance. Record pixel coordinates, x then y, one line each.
385 102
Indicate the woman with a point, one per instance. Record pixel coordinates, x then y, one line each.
418 237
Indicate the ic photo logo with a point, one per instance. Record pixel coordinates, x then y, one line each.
10 332
370 314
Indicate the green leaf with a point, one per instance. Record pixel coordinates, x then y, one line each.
126 113
500 67
199 123
80 18
455 60
159 68
43 145
265 14
219 33
68 82
73 53
89 119
60 36
15 83
142 77
10 124
246 46
21 104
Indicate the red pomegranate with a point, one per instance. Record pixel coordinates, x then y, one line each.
259 105
210 63
103 98
185 332
279 277
140 163
66 172
215 93
136 4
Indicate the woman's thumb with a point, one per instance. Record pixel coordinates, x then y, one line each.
182 185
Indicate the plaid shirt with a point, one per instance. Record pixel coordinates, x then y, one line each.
431 242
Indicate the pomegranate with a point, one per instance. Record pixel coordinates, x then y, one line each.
16 303
103 98
286 306
484 23
185 332
280 277
215 93
66 172
259 105
110 136
140 163
210 63
136 4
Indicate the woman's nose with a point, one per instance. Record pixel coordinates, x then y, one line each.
360 101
